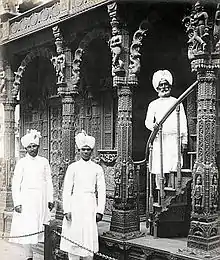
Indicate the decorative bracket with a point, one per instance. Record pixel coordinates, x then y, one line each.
135 64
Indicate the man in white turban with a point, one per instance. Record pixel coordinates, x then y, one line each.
81 209
162 83
32 192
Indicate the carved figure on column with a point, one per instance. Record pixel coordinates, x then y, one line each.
117 183
200 21
17 81
115 43
2 82
197 29
214 194
198 194
59 60
130 181
216 31
76 65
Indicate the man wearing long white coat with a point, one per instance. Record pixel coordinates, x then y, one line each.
82 210
32 192
162 83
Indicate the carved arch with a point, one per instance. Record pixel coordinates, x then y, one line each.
82 48
40 52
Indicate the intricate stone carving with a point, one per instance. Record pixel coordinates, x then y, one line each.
59 60
203 232
80 5
216 31
76 66
108 156
135 65
17 81
2 82
197 30
116 42
200 32
44 16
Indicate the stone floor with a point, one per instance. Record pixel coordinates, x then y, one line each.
10 251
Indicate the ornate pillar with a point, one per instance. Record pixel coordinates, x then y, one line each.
204 54
67 90
124 221
9 131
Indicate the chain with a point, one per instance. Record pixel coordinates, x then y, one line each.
85 248
27 235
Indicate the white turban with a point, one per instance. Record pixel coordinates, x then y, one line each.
161 75
82 139
32 137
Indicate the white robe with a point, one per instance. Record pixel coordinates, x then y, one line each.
81 181
32 188
156 110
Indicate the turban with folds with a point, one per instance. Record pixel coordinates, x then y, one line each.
82 139
161 75
32 137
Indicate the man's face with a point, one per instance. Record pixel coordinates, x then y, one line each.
86 152
32 149
164 88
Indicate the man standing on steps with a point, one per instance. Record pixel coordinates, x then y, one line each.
162 83
32 192
82 210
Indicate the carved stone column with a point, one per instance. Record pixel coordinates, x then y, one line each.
9 138
204 53
124 221
67 90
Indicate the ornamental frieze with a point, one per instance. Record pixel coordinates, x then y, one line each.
82 5
34 21
44 16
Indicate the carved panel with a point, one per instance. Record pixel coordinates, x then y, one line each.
82 5
56 145
36 20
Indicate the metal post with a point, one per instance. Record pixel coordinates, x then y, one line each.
47 242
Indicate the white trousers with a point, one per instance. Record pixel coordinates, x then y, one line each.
76 257
28 250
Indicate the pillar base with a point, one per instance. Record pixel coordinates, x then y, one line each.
125 225
204 236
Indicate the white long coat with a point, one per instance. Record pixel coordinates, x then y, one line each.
32 188
156 110
81 181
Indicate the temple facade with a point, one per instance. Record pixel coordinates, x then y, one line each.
69 65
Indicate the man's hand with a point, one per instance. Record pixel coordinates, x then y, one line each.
98 217
18 209
68 216
50 205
